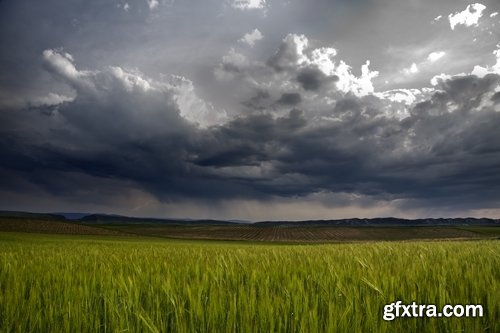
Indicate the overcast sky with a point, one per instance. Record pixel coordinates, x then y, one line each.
251 109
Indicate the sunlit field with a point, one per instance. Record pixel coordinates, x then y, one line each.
52 283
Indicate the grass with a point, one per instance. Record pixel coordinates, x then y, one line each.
490 231
52 283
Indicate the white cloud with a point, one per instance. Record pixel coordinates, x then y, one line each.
323 58
233 63
51 99
235 58
62 62
248 4
364 83
251 38
117 84
438 18
126 7
413 69
295 55
469 17
192 107
314 75
129 80
406 96
291 51
152 4
478 70
495 69
494 14
436 79
93 81
435 56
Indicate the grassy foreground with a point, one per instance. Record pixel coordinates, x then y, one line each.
87 284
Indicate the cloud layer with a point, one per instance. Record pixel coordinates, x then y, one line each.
295 139
284 123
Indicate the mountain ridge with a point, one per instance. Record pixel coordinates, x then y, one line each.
90 218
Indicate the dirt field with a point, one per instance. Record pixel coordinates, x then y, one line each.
304 234
45 226
274 233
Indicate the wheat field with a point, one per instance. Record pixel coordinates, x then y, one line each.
54 283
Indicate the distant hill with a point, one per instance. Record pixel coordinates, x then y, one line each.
73 216
104 218
389 222
354 222
40 216
378 229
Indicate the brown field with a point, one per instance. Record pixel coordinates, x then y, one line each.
46 226
284 233
304 234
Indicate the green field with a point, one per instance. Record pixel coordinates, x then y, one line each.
55 283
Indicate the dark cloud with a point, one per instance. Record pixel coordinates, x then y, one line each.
293 122
290 99
259 101
311 78
496 97
433 157
125 129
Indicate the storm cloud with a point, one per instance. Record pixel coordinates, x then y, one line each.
293 122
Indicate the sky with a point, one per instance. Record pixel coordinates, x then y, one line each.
251 109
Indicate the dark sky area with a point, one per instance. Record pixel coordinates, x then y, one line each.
251 109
